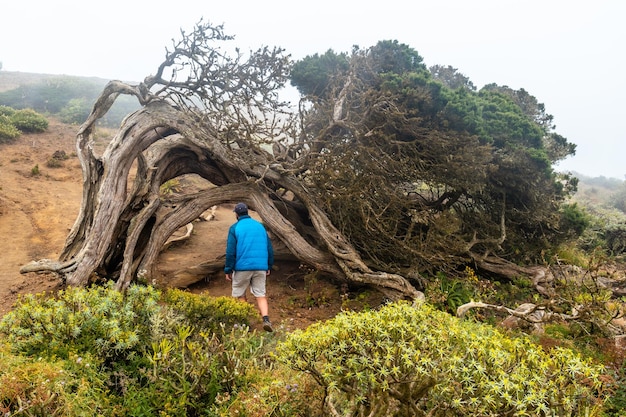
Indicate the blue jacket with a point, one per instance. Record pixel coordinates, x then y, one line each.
248 247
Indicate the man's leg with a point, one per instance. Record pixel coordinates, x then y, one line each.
263 307
257 287
240 283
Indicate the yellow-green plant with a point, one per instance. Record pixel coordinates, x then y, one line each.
279 392
209 313
8 131
183 375
413 360
28 120
170 187
52 387
98 351
100 320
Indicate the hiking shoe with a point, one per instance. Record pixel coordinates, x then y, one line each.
267 326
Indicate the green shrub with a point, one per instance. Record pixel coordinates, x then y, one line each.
189 371
406 360
209 313
7 111
76 111
617 401
52 387
97 351
28 120
28 386
8 131
447 294
278 392
183 376
99 320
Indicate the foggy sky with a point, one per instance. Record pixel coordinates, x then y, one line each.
568 54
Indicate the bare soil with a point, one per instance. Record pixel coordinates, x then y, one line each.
39 203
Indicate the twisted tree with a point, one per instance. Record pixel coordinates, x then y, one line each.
384 175
206 113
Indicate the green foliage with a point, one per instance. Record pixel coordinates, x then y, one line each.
391 56
34 171
571 254
76 111
606 222
72 387
407 360
615 238
14 122
585 295
313 74
279 392
421 164
574 219
209 313
8 131
98 320
616 403
255 386
447 294
96 351
184 373
190 372
7 111
169 187
451 77
28 120
28 386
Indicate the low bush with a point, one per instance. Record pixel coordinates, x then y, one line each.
97 351
209 313
7 111
28 120
52 387
411 360
8 132
99 320
14 122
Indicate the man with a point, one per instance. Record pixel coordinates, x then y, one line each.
249 259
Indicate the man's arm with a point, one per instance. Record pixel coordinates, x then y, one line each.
270 255
231 251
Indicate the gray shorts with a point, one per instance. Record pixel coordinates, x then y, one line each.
253 279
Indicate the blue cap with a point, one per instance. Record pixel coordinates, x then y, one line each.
241 208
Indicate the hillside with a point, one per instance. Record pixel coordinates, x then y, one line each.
10 80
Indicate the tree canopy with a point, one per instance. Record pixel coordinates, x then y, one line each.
387 172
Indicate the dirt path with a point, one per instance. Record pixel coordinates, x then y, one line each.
37 212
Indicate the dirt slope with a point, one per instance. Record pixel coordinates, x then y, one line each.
38 210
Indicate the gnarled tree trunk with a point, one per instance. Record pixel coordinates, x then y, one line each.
122 227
